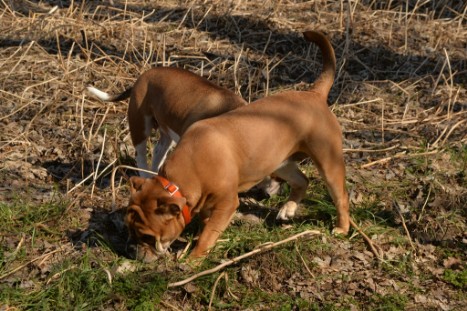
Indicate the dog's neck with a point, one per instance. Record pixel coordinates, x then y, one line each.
191 189
174 191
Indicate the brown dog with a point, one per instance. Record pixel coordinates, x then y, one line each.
168 99
219 157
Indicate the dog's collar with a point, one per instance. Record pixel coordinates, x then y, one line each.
174 191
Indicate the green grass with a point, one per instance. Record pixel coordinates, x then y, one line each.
86 280
84 284
456 278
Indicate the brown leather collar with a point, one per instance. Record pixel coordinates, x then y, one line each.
173 190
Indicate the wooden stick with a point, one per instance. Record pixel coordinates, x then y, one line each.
402 154
375 251
261 249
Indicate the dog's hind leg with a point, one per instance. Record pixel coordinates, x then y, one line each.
161 149
332 169
298 183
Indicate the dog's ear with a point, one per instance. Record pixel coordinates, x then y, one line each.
135 184
134 214
172 206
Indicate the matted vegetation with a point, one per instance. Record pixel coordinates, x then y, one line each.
400 96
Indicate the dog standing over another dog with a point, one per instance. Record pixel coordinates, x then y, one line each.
219 157
168 99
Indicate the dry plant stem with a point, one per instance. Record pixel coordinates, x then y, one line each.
405 227
424 204
397 156
448 134
58 274
91 176
373 247
229 291
112 179
304 262
30 262
451 85
371 150
260 249
12 256
213 291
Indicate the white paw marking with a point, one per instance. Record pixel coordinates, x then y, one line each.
287 211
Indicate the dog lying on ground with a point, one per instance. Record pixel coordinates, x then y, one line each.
168 99
219 157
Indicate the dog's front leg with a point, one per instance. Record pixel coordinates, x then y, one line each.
218 221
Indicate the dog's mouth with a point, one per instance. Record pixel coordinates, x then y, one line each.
149 248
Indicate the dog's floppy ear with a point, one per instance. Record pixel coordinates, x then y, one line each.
134 214
173 205
135 184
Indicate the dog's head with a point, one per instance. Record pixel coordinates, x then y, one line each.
153 216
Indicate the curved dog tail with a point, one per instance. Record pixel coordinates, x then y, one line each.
106 97
326 78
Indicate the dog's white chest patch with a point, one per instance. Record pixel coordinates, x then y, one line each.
174 136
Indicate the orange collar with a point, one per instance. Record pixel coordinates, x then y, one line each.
173 190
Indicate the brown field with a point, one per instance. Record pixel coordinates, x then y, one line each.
400 94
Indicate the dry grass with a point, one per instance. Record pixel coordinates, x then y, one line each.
400 95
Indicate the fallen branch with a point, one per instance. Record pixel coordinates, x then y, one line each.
260 249
377 252
399 155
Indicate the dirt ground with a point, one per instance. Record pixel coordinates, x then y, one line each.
399 94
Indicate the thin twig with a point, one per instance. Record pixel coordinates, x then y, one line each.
29 262
370 150
112 179
260 249
424 205
304 263
374 248
404 225
213 291
398 156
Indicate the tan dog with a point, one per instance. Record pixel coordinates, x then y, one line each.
219 157
168 99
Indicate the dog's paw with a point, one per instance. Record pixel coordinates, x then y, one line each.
272 187
340 231
287 211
